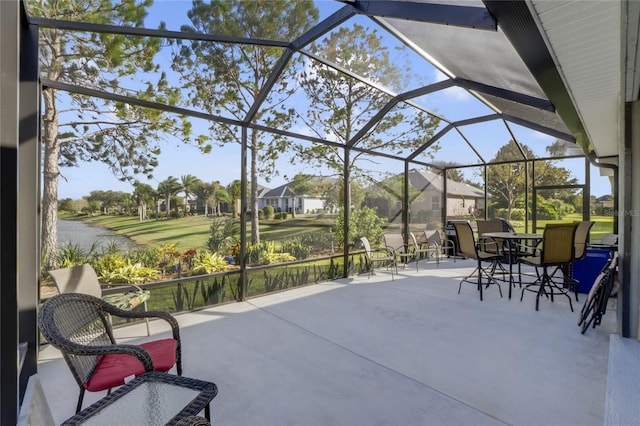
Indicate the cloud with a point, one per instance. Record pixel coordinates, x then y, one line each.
457 94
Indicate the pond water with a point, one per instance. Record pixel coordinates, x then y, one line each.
86 235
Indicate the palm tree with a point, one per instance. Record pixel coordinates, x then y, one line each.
143 193
234 191
220 195
168 188
204 191
188 182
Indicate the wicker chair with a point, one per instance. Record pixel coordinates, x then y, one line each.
83 279
78 325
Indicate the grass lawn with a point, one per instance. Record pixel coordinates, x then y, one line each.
193 231
602 225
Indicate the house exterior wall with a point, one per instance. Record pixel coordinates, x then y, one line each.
310 205
283 204
431 201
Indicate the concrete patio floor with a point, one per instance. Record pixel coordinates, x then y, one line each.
363 351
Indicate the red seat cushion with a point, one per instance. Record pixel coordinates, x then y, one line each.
112 369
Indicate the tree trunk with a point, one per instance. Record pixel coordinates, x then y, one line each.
293 207
51 171
255 231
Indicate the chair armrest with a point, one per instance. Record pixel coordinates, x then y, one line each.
115 311
390 250
68 347
489 245
117 287
523 249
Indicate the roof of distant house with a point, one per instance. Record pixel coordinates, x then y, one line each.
284 191
423 179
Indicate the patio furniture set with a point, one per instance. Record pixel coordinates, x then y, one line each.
425 245
79 325
553 254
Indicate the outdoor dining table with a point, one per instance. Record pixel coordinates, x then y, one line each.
513 239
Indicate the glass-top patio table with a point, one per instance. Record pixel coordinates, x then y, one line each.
150 399
513 239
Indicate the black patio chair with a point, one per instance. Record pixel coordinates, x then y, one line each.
78 325
468 247
579 252
556 254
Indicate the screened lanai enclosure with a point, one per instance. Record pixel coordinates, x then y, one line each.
346 118
370 105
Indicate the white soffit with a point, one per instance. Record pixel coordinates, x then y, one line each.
585 38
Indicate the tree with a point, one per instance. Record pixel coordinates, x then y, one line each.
341 105
228 78
167 189
506 181
332 190
107 199
301 184
204 191
78 128
188 182
234 189
143 194
66 205
220 195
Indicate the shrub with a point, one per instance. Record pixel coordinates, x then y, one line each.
268 212
517 214
297 248
223 234
117 268
264 253
318 240
132 273
207 262
168 255
364 222
72 255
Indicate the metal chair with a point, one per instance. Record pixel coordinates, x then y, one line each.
83 279
444 245
558 248
402 250
468 247
77 324
376 255
423 248
580 252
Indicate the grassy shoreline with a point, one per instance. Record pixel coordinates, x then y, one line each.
193 231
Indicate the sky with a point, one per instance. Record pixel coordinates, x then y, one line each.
223 165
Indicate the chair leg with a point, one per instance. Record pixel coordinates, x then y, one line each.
147 319
480 278
80 398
